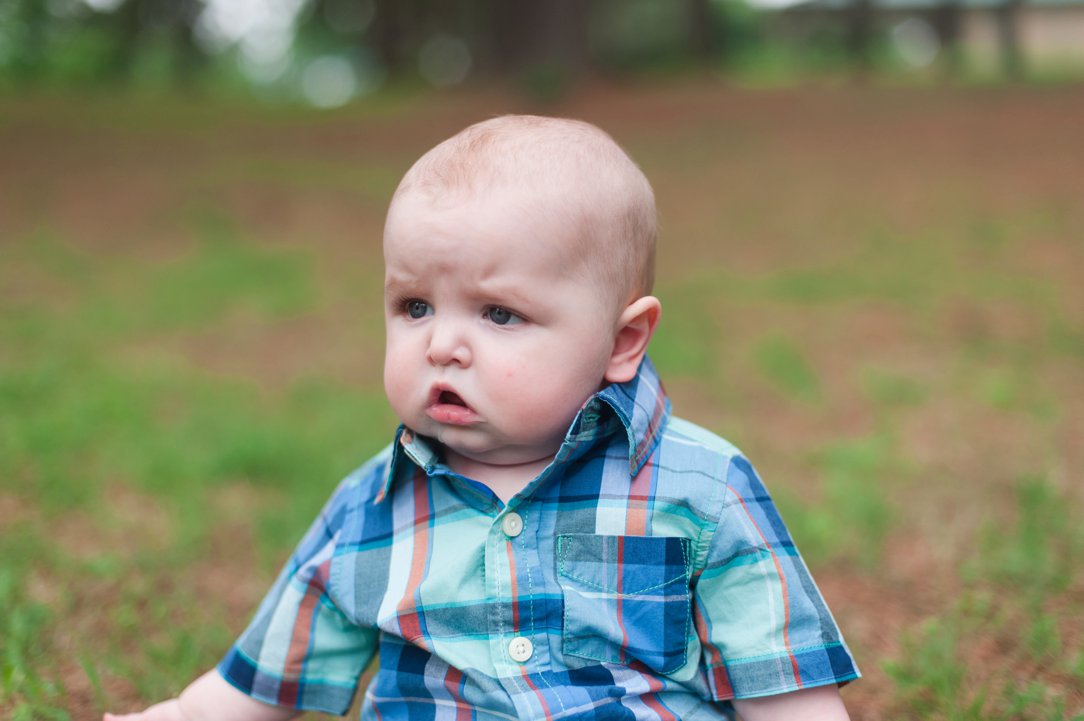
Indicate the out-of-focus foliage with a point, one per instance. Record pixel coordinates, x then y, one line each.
327 52
71 42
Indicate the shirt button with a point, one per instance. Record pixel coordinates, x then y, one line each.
512 525
520 649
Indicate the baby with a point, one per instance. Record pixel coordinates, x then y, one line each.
542 539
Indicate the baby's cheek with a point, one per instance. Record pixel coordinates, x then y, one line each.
528 384
544 405
512 377
396 383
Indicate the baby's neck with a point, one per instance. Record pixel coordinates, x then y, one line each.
504 480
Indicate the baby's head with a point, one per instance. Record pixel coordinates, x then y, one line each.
519 260
571 176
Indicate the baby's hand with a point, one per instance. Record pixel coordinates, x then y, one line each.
165 711
209 697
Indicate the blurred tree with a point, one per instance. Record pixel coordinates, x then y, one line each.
30 20
527 34
138 24
188 56
1008 32
946 19
390 28
742 33
860 34
704 39
127 30
545 44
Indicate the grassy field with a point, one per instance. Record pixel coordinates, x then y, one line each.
876 292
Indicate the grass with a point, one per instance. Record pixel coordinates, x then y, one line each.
896 344
783 364
23 656
83 425
1033 554
852 519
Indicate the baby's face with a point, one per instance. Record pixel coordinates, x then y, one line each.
494 337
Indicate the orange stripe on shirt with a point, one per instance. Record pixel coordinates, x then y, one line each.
302 635
541 698
639 492
409 624
783 583
452 678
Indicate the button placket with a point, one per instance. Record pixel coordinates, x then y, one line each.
520 648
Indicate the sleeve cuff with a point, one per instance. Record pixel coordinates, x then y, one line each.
782 673
310 695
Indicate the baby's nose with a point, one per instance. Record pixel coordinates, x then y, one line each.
448 345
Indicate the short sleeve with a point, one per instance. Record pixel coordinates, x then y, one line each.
764 627
301 650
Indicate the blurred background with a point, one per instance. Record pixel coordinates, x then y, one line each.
871 263
329 52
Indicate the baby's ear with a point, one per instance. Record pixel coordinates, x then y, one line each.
634 329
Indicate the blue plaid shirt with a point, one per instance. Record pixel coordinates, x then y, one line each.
644 574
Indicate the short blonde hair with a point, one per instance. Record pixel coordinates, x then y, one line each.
580 175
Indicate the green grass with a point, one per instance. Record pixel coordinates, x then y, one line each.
82 422
1024 569
852 518
1037 553
890 390
784 365
24 688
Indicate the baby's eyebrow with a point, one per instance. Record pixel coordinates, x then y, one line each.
394 283
501 294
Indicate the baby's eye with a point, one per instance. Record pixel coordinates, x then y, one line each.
417 308
502 316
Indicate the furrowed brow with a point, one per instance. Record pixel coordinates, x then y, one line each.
504 294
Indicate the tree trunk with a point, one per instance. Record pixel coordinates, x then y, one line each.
860 35
528 33
703 40
30 51
1008 33
947 19
390 28
187 57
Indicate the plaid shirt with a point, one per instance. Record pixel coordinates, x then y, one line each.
644 574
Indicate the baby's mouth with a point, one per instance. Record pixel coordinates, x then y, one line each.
450 398
448 407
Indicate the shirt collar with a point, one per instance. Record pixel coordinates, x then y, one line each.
640 406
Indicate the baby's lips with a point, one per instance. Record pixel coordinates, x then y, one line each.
446 406
452 415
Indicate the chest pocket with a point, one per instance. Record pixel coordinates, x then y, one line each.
625 598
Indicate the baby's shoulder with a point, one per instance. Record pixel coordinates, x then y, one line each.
696 450
686 434
693 463
691 447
